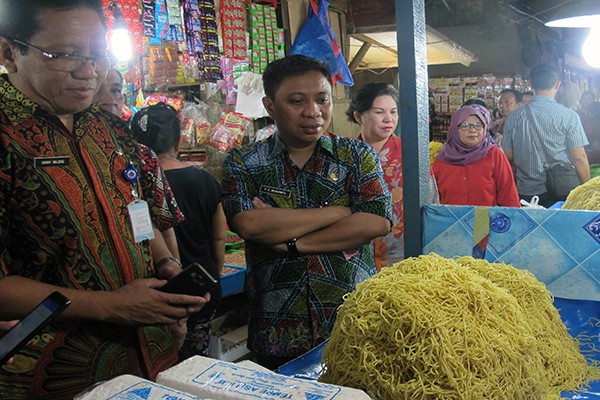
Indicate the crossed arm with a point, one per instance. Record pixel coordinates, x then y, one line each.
319 230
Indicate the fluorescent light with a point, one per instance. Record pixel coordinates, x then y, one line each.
584 14
120 42
589 51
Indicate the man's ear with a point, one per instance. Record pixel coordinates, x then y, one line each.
268 103
7 51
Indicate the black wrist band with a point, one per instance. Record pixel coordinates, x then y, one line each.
291 246
160 263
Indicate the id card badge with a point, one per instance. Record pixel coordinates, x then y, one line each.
141 224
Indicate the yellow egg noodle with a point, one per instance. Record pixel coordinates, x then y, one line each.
564 363
436 328
585 196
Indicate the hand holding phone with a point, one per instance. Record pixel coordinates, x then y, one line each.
19 335
194 280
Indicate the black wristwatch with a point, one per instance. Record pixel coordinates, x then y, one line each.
291 245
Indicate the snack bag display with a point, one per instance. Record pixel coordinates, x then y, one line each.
229 132
195 128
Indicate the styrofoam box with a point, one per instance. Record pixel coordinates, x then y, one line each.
219 380
127 387
231 346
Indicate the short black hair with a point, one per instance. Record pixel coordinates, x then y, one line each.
157 126
518 95
363 98
474 100
293 65
21 19
544 76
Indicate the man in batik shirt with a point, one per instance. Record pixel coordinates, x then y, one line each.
70 195
308 204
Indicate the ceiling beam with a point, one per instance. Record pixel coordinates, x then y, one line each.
360 54
367 39
373 29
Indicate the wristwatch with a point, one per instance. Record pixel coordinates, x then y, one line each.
161 263
291 246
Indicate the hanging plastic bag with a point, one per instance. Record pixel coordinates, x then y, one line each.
316 39
195 128
249 96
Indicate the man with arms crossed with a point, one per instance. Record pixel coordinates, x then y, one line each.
308 204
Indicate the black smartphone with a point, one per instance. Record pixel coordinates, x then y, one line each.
20 334
194 280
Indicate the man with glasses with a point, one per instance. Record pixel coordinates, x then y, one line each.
73 215
541 134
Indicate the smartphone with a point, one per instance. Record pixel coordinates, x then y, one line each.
20 334
194 280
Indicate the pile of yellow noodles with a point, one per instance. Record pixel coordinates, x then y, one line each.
434 149
585 196
435 328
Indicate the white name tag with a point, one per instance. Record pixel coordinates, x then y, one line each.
42 162
141 223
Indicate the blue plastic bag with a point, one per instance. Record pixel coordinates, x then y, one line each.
316 39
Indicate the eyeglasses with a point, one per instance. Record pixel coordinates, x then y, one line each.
71 62
476 126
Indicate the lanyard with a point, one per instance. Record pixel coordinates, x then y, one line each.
139 213
131 175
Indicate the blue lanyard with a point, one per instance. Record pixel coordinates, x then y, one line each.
132 176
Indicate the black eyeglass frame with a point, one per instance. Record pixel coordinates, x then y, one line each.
477 126
54 55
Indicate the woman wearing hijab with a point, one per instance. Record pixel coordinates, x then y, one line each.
471 169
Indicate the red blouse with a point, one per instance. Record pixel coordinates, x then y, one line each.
487 182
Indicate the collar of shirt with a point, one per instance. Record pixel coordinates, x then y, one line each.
325 143
539 97
15 105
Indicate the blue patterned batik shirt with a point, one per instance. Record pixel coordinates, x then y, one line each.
294 297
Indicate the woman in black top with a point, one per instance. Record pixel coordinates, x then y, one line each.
201 236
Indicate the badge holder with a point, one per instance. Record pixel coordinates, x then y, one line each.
139 213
